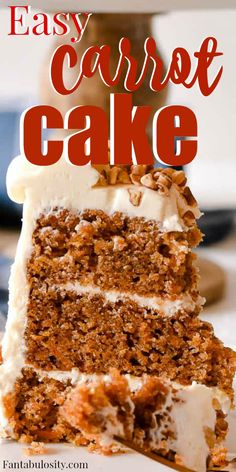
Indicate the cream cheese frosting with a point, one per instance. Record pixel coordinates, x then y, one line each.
166 306
72 187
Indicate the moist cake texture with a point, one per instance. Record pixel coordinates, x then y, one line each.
153 414
103 335
84 248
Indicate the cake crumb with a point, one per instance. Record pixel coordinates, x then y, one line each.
219 456
35 449
118 243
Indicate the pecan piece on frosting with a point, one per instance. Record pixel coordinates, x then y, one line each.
155 178
189 218
123 177
135 196
102 180
148 181
138 170
189 197
113 175
179 178
163 190
135 179
167 170
163 179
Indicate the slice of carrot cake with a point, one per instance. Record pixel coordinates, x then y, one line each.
105 278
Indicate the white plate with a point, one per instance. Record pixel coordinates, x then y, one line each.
66 457
72 458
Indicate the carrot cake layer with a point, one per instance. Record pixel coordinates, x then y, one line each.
113 252
92 333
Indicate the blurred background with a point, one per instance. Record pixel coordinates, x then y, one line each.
212 175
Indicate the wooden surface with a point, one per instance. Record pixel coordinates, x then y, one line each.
212 282
8 242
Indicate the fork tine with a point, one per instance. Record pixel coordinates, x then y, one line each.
215 469
219 469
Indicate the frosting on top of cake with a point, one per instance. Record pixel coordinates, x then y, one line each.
80 188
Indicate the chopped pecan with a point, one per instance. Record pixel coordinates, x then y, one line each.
135 196
189 197
148 181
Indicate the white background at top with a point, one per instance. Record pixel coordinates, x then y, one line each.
213 173
123 5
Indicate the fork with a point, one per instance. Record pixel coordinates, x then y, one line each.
163 460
